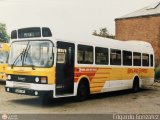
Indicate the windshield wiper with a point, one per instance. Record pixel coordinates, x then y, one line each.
25 57
26 54
20 55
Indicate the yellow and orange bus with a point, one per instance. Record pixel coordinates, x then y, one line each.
4 53
41 65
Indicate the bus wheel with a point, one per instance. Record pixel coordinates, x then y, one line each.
83 91
135 87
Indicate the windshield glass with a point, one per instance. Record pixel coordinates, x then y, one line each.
3 57
31 53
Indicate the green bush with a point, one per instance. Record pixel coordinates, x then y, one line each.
157 73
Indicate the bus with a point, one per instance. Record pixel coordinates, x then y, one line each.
42 65
4 53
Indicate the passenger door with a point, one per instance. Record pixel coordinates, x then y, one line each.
65 68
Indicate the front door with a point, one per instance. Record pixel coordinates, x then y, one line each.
65 68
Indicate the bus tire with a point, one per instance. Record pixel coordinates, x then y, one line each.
83 91
135 87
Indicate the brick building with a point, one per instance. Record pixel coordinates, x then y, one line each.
142 25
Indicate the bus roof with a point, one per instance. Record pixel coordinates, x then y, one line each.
130 45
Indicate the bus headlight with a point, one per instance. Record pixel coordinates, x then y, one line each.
9 77
7 89
44 80
36 93
37 79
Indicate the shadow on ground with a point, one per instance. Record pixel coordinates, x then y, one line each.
38 102
2 82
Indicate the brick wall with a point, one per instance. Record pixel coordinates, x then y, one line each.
142 28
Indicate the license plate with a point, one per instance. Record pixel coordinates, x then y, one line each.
20 91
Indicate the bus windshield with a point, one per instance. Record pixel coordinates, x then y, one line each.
3 57
31 53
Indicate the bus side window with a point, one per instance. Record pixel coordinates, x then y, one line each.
136 59
101 55
85 54
145 59
115 57
127 58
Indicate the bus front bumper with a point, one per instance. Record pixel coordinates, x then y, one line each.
28 91
32 89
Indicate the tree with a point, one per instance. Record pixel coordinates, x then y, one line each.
4 37
103 32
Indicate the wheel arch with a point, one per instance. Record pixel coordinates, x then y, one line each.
84 79
136 78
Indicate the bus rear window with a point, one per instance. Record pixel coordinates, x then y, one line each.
151 60
29 32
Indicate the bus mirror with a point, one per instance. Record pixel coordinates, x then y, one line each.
54 49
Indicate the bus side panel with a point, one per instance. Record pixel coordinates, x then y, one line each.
97 77
112 79
119 79
99 80
147 77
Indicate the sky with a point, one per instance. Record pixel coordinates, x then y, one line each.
67 17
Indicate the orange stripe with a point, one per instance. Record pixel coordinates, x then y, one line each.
102 73
100 77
